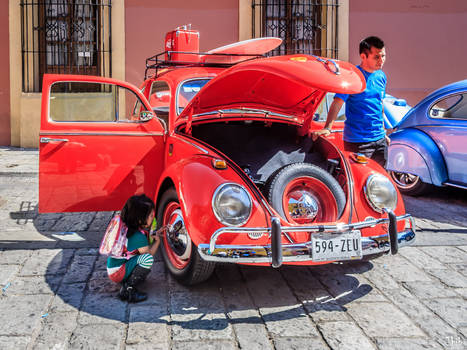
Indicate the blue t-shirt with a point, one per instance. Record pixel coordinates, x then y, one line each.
364 111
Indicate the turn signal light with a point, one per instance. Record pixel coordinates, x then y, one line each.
360 158
219 164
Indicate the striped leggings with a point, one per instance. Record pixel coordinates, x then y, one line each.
145 261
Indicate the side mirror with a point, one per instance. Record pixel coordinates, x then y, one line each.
146 115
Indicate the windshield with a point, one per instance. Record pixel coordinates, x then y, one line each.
322 111
188 89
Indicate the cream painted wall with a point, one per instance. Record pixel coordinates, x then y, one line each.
425 42
30 119
4 76
343 30
244 19
25 107
15 72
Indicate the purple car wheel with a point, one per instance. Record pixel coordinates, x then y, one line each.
409 184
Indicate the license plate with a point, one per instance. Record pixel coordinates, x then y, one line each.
344 246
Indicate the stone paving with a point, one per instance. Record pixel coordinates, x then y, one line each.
56 295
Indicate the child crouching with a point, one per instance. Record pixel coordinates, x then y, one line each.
138 215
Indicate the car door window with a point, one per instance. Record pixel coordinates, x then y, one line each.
159 99
93 102
452 107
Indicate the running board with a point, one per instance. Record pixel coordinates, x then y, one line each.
455 185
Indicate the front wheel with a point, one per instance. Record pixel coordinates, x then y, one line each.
180 255
409 184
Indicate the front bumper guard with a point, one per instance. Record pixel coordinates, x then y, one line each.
276 252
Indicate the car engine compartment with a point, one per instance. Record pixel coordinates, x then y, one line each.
260 148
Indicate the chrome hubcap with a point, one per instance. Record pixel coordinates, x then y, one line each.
179 240
302 205
404 180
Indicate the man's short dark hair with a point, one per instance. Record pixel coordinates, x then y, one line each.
367 43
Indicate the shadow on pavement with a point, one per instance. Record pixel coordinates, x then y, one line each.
234 294
54 230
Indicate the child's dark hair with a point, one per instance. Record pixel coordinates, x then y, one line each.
136 211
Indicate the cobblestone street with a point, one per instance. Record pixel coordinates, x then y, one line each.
56 293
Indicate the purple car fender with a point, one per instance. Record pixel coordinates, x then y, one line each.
414 152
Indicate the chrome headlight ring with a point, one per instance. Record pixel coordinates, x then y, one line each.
231 204
380 193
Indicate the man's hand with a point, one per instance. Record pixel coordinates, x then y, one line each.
322 132
388 132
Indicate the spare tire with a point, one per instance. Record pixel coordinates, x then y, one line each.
304 193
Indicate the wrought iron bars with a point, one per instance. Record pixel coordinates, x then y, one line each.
64 36
305 26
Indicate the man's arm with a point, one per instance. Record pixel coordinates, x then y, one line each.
334 109
388 132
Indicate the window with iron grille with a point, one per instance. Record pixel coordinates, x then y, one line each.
305 26
64 37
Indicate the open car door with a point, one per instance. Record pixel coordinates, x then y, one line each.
99 144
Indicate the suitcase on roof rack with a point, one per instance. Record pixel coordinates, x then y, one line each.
182 39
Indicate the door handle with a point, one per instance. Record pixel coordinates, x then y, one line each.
47 140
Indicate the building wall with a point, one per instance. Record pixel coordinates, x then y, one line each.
24 108
425 42
4 77
147 22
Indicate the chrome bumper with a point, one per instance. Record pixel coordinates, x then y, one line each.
300 252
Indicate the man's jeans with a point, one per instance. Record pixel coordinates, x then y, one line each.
376 150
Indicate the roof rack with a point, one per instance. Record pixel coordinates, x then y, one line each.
159 61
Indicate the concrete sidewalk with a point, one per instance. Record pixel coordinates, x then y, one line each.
56 295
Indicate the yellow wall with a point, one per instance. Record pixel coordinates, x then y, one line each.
25 107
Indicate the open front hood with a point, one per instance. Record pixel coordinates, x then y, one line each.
291 85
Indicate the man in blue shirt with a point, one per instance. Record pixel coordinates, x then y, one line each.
364 127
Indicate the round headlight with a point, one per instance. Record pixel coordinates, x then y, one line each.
380 193
231 204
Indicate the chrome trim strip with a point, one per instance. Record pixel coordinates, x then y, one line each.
338 228
294 252
350 182
454 185
47 140
103 133
266 205
195 145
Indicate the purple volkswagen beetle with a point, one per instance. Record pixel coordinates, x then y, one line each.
429 144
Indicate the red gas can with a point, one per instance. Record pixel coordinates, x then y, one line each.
182 39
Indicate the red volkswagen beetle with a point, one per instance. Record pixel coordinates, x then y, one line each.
222 147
